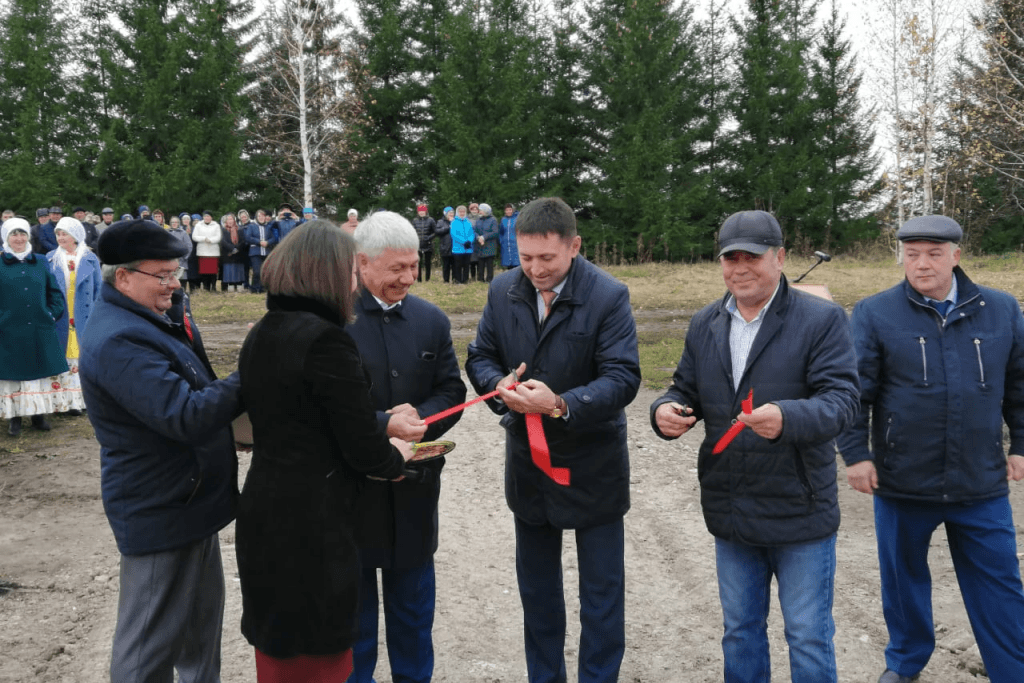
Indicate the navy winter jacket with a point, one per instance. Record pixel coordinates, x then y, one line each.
937 393
168 470
586 351
778 492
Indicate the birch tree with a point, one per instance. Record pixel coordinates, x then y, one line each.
304 100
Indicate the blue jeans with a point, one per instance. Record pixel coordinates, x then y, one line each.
600 553
983 547
806 576
408 620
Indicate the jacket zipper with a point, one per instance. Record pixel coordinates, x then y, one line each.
924 359
981 366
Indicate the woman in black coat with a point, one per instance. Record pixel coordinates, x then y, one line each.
315 439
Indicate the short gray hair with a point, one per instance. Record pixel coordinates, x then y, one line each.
385 230
108 271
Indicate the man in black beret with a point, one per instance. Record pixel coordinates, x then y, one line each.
941 364
168 471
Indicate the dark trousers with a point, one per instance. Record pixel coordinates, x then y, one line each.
485 268
169 615
257 266
408 596
473 267
600 552
447 264
983 547
461 273
425 258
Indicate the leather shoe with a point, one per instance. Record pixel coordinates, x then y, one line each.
75 412
14 428
41 423
891 676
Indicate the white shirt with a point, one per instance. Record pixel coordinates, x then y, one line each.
742 335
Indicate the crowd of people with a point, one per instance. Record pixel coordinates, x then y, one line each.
348 371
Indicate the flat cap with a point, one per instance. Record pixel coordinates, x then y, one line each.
930 229
752 231
56 209
138 240
106 209
42 212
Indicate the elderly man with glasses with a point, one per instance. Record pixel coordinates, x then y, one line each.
169 473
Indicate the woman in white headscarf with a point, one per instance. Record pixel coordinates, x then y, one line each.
77 271
30 355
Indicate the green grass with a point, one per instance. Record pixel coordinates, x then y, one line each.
659 354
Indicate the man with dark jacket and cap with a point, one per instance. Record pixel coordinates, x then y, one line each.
91 236
406 345
941 363
168 469
567 328
43 238
768 484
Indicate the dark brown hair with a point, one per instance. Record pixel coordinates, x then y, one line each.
314 261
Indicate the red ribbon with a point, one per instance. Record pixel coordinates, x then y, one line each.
188 327
737 427
539 452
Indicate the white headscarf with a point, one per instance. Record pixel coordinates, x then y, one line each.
62 258
10 225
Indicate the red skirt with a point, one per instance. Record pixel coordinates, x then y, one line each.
208 265
304 668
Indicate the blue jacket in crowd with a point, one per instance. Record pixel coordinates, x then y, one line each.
168 469
254 233
937 394
462 234
87 289
507 236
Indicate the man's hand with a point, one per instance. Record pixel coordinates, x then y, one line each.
1015 467
532 396
674 419
863 476
766 421
405 423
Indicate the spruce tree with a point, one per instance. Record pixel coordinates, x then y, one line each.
648 121
845 142
33 105
176 74
775 165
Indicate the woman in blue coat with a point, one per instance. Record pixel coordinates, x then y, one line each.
77 271
462 244
30 356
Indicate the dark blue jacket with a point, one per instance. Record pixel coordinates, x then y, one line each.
88 280
251 232
486 227
168 469
409 355
586 351
43 237
762 492
937 394
507 236
284 226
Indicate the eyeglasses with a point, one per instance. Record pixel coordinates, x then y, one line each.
175 274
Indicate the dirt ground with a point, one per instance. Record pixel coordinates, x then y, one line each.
59 566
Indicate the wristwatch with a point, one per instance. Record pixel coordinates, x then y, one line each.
560 407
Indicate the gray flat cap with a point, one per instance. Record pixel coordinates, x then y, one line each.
930 229
754 232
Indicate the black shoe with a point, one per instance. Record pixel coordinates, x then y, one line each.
75 412
41 423
891 676
14 429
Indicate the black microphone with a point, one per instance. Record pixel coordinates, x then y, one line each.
823 256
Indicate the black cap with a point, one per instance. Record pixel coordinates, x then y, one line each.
138 240
930 229
752 231
78 208
56 209
284 206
